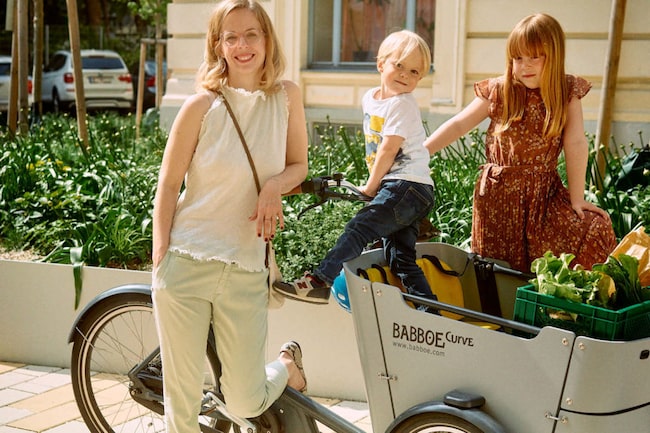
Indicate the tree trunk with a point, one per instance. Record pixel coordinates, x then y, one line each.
94 12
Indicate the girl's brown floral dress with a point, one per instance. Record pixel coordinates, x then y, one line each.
521 208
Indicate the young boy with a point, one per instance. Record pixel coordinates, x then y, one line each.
400 182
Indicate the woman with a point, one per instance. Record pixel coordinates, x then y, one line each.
209 243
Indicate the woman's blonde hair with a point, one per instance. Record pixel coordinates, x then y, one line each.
213 72
401 44
534 36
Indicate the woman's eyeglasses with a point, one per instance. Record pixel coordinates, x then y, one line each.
250 37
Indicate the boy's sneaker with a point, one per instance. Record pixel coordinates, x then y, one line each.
309 288
427 309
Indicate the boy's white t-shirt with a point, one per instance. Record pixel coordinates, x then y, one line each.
398 115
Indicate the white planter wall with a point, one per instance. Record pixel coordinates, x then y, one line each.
37 313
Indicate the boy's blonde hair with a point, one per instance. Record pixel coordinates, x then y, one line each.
213 72
534 36
401 44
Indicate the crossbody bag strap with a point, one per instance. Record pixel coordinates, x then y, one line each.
250 161
243 142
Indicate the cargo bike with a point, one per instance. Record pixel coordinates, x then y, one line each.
469 369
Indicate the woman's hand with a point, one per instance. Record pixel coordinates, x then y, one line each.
268 213
158 254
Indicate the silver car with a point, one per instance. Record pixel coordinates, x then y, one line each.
5 83
106 79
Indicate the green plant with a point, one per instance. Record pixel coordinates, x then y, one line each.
96 208
454 172
627 208
306 240
54 198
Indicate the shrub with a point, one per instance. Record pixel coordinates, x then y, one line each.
64 203
54 197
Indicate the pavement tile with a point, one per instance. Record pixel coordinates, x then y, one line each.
48 418
355 412
365 425
36 370
52 398
12 379
70 427
8 396
8 366
325 401
55 379
351 410
45 382
9 414
40 399
7 429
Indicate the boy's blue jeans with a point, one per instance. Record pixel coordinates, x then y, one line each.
393 215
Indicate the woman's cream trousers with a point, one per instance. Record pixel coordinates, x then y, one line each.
188 296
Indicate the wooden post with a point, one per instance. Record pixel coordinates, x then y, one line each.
23 66
158 46
38 58
159 57
12 110
141 84
80 96
609 86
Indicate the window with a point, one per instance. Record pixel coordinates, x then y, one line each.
57 62
5 68
98 62
347 33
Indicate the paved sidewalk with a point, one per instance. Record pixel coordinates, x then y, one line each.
39 399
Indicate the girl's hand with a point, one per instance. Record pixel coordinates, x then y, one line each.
268 212
581 206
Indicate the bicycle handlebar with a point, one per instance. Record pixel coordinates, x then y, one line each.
333 187
321 186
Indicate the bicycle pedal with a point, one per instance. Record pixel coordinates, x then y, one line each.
211 402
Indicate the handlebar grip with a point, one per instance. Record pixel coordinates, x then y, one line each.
307 186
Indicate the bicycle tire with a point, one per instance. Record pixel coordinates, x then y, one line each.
117 334
436 423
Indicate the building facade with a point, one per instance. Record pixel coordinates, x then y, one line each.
320 39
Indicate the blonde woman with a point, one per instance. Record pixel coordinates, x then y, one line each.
521 208
209 242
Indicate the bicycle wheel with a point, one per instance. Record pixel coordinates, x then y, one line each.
436 423
117 334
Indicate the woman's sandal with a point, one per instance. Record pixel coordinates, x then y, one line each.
292 349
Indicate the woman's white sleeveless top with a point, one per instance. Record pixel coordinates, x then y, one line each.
212 214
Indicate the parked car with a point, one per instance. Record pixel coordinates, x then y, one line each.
5 83
106 79
149 99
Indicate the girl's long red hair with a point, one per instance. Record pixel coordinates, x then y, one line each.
537 35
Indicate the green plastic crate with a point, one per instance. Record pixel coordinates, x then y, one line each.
630 323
